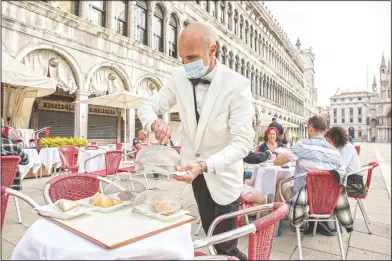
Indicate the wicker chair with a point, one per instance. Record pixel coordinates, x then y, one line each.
371 166
261 232
9 167
119 146
35 139
91 147
5 192
112 161
72 187
358 149
67 154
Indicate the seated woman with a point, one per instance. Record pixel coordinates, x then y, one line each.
338 138
271 141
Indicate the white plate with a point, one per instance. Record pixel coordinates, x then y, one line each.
52 211
179 173
85 202
144 209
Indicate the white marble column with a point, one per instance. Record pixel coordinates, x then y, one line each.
81 115
84 10
165 36
131 10
150 14
54 3
131 125
165 117
110 16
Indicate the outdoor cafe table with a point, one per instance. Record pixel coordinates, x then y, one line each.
45 240
98 163
34 162
50 157
268 175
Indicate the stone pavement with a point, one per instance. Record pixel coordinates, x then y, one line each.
357 245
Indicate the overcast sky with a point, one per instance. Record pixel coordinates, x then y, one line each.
345 37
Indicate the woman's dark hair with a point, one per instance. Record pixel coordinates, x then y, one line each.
338 135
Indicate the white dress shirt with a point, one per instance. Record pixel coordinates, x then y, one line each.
350 159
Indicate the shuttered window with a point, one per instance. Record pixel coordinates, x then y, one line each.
62 123
102 127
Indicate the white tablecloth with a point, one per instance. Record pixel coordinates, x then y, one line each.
50 156
34 162
45 240
27 134
97 163
267 176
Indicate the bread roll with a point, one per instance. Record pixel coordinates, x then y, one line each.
160 204
65 205
102 201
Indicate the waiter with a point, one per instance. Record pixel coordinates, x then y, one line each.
215 107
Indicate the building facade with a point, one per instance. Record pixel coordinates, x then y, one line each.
348 110
95 48
379 109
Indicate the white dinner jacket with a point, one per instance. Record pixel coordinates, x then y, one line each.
224 133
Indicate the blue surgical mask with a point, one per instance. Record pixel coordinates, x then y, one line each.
196 69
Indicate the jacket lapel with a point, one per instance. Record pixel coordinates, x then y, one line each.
208 105
189 108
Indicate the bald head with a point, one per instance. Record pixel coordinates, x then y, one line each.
198 42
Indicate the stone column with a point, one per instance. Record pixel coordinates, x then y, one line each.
150 14
166 20
165 117
131 10
131 125
110 22
84 10
225 16
54 3
81 115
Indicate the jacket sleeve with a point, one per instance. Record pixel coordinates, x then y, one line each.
24 158
240 125
157 104
256 158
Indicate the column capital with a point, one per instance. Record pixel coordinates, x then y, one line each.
82 95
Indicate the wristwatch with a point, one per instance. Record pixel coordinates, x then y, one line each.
201 163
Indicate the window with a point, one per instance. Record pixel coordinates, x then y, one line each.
351 99
335 112
69 6
222 13
342 112
173 36
224 55
351 112
359 133
343 120
231 60
237 64
342 100
213 9
243 67
251 37
140 21
359 98
351 120
359 111
241 27
334 100
246 32
335 121
235 22
121 14
158 29
186 23
97 12
360 120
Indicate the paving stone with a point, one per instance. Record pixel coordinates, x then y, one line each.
372 243
311 254
374 217
360 254
285 244
377 229
14 236
6 249
279 256
324 244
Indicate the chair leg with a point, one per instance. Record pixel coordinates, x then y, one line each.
18 211
198 229
299 243
246 219
339 238
145 180
364 214
314 228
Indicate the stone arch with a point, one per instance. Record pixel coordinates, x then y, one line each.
73 64
117 68
160 4
387 112
155 80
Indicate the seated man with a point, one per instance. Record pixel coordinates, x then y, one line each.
313 154
11 148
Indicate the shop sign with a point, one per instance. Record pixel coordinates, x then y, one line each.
70 107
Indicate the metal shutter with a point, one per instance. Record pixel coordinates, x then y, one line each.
138 126
62 123
102 127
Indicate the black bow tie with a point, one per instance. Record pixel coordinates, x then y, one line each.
197 81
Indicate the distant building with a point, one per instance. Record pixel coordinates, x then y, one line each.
348 110
325 113
379 109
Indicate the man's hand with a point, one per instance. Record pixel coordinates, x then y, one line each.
162 131
193 170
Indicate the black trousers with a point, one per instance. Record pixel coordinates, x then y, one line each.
209 210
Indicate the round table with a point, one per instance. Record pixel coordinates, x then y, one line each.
34 162
98 163
45 240
50 157
268 175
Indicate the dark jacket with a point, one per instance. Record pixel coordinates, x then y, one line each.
256 157
263 147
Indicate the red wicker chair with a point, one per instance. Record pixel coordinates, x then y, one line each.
5 192
91 147
371 165
72 187
93 143
36 133
67 155
13 134
9 167
112 161
358 149
261 232
119 146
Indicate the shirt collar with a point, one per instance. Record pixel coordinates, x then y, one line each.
319 137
